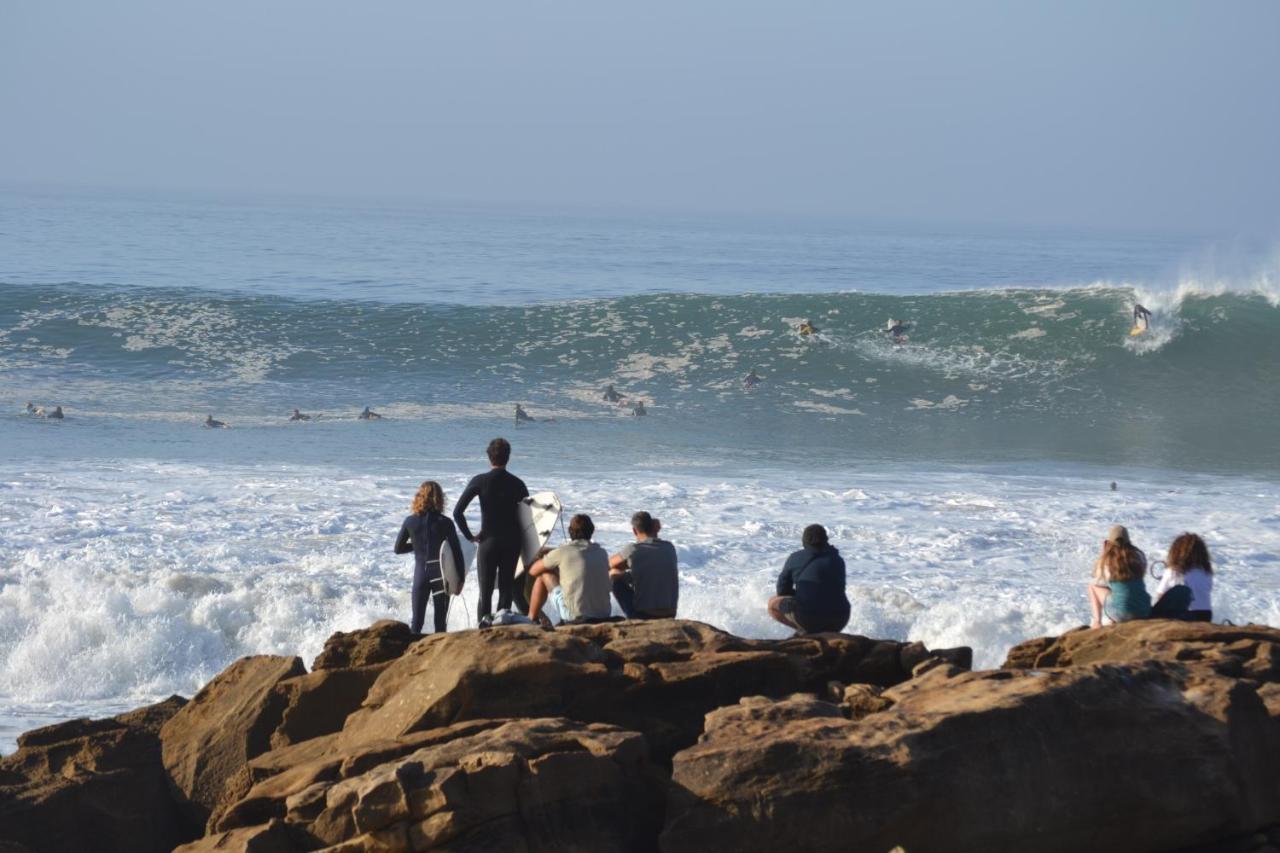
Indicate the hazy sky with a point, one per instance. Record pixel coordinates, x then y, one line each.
1134 114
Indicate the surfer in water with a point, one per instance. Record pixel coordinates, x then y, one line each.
500 536
896 329
56 414
422 534
639 411
523 417
30 409
1141 317
611 395
298 416
369 415
210 423
752 379
806 329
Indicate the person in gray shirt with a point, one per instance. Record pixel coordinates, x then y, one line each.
645 574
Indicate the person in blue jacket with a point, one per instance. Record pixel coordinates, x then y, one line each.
811 596
422 534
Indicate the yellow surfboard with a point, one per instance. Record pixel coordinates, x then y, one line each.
1137 330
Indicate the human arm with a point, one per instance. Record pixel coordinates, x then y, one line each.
404 544
786 580
460 508
546 562
620 562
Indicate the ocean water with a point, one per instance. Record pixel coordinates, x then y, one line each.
964 472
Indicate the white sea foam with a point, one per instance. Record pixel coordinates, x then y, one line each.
127 581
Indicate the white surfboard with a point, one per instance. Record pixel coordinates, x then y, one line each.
538 516
454 575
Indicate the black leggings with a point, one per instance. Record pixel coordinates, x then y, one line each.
496 561
427 583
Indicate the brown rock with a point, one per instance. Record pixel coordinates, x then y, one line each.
539 784
658 677
864 699
207 744
318 703
381 642
272 837
1005 760
1236 651
91 785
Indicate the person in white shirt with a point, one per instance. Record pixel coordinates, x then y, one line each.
1188 565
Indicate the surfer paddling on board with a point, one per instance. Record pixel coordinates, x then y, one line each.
369 415
422 534
523 417
500 536
210 423
752 379
298 416
611 394
806 329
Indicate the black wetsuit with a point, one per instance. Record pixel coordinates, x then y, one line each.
423 535
499 539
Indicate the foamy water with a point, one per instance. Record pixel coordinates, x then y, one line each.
127 581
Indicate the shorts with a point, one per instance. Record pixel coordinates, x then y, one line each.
807 623
557 598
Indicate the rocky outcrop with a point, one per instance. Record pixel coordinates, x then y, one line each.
539 784
381 642
91 785
1150 756
674 735
207 744
656 677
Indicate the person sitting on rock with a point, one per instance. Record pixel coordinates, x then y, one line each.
811 596
1117 589
574 576
1188 564
645 574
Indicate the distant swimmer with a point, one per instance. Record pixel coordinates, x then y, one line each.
752 379
1141 318
611 395
639 411
30 409
298 416
522 416
807 328
210 423
369 415
56 414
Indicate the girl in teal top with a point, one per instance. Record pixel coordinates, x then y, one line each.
1118 587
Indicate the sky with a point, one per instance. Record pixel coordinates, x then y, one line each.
1147 115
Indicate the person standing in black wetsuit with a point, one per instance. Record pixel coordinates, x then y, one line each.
499 538
423 533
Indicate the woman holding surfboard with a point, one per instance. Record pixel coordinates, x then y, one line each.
423 533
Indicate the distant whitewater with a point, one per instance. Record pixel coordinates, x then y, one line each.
964 471
982 375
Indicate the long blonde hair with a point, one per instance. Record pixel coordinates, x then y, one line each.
1121 561
430 498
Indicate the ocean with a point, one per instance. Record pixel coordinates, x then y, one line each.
964 472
